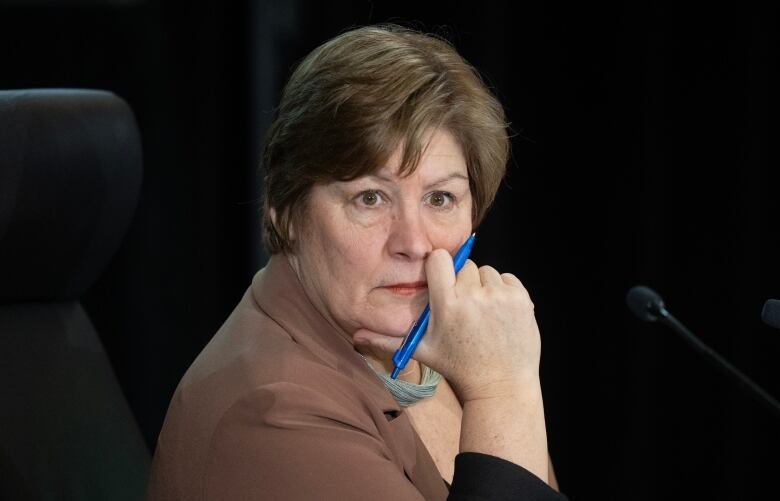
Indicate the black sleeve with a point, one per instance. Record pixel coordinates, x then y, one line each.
481 477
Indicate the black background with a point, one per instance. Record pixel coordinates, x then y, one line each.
642 154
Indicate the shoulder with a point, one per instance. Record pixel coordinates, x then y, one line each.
252 361
253 369
258 399
302 439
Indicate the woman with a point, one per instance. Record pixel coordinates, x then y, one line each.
384 156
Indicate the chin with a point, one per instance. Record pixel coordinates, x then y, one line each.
395 326
396 318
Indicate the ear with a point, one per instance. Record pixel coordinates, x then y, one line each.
274 222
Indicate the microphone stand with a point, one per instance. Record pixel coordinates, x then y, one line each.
721 363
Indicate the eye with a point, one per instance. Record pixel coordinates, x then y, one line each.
369 198
441 199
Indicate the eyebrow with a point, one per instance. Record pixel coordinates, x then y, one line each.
444 180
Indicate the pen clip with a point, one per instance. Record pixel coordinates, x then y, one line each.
409 332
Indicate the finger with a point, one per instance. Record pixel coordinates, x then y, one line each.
468 277
510 279
489 276
440 274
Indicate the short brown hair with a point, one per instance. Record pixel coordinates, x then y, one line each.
353 100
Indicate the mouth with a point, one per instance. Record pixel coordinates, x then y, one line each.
407 289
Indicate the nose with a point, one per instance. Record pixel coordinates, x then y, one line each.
409 238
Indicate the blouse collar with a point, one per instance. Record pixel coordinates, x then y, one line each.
277 291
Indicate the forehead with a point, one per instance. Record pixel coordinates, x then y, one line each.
441 155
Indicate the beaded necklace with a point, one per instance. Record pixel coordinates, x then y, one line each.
406 393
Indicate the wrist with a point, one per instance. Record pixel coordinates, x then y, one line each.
519 386
508 422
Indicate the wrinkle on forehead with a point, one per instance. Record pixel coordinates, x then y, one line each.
401 165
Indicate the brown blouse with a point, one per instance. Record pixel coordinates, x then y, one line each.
279 405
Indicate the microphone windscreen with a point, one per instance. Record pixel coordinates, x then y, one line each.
644 302
771 313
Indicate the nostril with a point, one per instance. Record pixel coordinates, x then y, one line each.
410 243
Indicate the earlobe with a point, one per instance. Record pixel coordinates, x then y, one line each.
275 223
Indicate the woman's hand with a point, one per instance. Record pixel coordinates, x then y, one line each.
483 338
482 335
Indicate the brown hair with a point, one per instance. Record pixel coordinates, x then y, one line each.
353 100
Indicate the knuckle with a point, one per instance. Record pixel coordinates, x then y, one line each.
521 296
447 303
438 254
527 301
471 265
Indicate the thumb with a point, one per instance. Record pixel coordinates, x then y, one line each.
379 342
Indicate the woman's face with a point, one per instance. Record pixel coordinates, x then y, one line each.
361 252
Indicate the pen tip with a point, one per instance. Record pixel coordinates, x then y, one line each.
396 370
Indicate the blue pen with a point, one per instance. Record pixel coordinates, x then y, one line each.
404 353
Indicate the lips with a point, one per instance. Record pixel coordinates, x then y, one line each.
407 288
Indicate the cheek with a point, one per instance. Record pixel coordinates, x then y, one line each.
365 218
450 233
348 254
349 271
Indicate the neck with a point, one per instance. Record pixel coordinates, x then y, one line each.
383 362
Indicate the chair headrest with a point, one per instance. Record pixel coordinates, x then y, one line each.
70 174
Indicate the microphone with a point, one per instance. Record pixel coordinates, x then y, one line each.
646 304
771 313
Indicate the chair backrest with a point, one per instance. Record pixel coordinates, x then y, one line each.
70 175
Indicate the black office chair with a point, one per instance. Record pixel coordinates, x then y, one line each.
70 174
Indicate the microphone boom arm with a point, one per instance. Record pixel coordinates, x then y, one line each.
718 361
